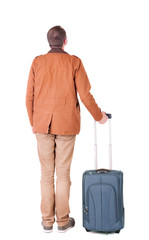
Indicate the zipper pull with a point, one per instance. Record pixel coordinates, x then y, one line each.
86 210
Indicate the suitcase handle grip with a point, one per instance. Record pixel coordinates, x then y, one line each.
109 115
102 170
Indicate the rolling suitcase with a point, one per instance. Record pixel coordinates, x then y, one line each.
102 195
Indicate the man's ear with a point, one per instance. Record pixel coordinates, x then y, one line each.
65 41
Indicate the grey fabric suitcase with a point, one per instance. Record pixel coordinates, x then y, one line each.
102 195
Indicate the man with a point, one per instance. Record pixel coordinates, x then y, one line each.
54 114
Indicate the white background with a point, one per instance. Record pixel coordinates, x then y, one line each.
112 39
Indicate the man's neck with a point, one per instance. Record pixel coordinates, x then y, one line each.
59 47
60 50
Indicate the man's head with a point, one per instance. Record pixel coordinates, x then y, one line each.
57 37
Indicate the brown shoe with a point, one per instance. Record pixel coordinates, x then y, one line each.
69 225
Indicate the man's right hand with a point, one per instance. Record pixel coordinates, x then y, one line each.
104 118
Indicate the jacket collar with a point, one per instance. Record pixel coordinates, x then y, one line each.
57 50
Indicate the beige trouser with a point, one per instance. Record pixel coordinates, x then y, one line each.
55 152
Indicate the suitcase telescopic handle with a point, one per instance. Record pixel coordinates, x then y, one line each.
109 115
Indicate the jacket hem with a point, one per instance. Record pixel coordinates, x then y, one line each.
56 131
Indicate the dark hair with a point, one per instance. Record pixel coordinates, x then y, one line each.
56 36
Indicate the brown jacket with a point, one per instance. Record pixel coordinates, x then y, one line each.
51 95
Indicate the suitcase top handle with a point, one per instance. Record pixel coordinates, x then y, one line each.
102 170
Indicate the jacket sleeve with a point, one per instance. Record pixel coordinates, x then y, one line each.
83 87
30 93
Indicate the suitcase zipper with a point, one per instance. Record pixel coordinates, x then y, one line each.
86 210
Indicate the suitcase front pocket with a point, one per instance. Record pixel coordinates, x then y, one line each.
102 206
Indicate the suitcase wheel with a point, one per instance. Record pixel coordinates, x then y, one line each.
87 230
117 231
